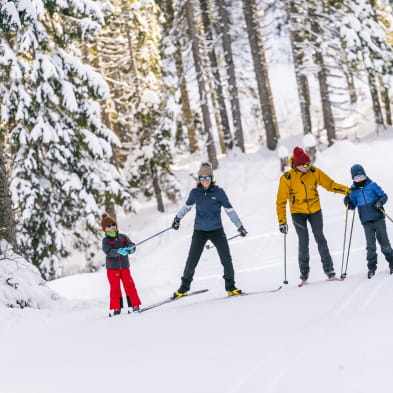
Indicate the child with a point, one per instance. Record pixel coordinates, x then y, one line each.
370 198
117 246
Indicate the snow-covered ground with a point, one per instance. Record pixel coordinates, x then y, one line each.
324 337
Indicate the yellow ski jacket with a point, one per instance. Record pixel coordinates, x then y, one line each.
301 191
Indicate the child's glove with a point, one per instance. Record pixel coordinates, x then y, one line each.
131 250
378 205
347 199
283 228
122 251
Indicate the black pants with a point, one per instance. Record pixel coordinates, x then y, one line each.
316 221
376 230
199 239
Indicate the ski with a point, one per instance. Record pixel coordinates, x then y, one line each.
249 293
258 292
171 299
305 282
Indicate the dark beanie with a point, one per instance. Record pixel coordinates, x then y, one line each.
357 170
205 169
106 220
300 157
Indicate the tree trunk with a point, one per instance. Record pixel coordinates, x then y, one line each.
211 149
328 118
301 79
188 118
230 70
157 190
386 101
7 221
378 116
216 76
261 72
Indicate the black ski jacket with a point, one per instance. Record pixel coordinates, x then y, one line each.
110 245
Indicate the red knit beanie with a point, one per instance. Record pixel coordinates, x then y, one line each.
300 157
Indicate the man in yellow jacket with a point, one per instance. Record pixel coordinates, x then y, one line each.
299 187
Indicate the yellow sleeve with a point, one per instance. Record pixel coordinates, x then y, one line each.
326 182
281 201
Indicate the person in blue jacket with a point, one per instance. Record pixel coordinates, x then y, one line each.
208 199
369 198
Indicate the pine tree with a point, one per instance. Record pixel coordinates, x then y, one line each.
148 167
51 115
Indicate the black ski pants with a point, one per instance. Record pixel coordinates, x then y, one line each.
199 239
376 230
316 221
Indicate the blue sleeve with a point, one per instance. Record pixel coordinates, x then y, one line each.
223 199
187 207
381 196
229 209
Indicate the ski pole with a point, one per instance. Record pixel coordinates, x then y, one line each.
344 275
383 211
208 246
345 237
285 259
151 237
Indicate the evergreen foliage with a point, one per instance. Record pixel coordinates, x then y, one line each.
50 115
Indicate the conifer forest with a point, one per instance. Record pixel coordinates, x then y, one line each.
99 97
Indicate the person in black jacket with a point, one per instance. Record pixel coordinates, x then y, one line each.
208 199
117 247
369 198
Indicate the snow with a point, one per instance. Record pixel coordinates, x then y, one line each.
324 337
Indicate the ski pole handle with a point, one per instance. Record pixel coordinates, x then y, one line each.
155 235
208 246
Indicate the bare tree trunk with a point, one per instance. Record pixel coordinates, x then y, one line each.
230 69
378 116
261 71
134 71
157 190
211 149
386 101
301 79
216 76
188 118
327 111
7 221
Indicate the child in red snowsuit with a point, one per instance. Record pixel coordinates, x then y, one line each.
117 247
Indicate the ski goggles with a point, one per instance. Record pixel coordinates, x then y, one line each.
111 225
306 165
358 177
201 178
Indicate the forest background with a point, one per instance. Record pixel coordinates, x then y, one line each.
100 99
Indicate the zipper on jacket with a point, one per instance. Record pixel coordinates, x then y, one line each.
305 190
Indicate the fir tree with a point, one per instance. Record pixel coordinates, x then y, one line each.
51 116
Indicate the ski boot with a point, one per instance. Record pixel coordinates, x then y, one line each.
235 292
391 267
371 273
113 313
331 275
178 294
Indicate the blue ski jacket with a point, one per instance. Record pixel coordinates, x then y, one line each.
364 199
208 204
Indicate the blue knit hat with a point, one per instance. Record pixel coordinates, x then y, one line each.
357 171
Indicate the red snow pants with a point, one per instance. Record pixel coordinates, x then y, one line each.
116 299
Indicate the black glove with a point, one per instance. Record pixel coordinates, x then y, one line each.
242 231
176 223
283 228
347 199
378 205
